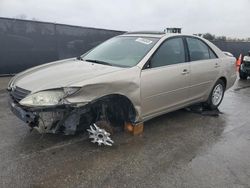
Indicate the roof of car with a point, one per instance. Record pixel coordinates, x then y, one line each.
147 32
157 34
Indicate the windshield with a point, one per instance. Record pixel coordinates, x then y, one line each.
121 51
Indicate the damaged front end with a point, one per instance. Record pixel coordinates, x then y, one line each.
61 118
65 117
69 108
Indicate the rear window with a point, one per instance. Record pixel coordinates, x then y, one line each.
198 50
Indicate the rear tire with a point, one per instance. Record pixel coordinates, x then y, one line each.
216 95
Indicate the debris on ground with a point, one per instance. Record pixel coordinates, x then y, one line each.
202 110
99 136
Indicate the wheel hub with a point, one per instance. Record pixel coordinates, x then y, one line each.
99 136
217 94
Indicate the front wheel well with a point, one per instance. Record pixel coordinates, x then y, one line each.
114 108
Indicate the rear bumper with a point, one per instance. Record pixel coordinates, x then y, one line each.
59 119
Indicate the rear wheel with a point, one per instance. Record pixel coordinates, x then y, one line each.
216 95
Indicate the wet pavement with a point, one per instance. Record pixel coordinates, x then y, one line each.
179 149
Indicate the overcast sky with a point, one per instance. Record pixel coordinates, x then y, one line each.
220 17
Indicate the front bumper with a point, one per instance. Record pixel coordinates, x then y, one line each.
63 119
27 117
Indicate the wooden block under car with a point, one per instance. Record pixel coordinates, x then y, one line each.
134 129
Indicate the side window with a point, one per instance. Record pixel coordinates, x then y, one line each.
170 52
212 54
197 49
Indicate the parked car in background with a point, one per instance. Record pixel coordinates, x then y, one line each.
130 78
244 70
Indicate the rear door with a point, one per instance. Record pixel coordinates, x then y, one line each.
165 79
204 67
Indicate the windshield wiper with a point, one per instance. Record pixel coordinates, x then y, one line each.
97 61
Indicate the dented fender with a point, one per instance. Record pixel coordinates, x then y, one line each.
126 84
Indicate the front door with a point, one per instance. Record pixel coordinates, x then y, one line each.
165 80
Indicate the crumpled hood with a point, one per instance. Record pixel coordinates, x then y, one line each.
60 74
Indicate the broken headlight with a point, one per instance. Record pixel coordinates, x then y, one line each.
48 98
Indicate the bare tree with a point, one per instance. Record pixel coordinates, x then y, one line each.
208 36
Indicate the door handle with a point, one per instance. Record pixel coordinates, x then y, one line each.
185 71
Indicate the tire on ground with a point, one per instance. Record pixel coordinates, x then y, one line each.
209 103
